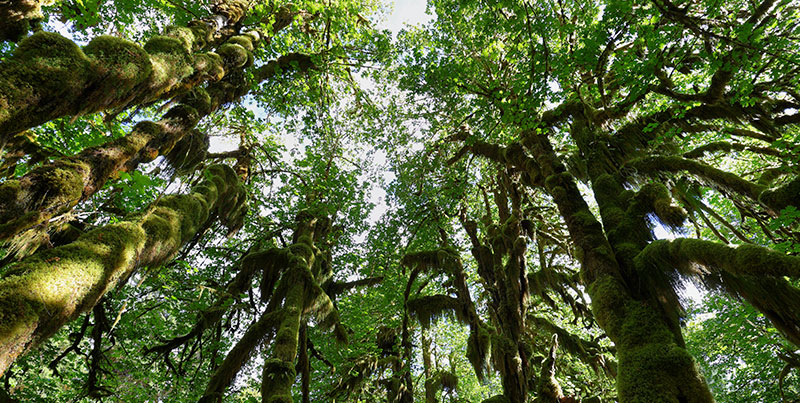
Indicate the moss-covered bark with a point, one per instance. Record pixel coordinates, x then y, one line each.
41 293
17 17
302 274
49 76
296 295
653 364
55 188
501 265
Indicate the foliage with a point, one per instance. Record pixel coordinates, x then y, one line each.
482 183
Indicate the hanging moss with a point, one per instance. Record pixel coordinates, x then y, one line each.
478 349
188 152
503 349
433 307
665 263
722 180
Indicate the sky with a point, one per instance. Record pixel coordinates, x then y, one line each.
410 12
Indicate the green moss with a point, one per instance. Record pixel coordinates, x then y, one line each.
48 190
66 281
652 367
45 68
660 372
210 66
245 41
165 44
185 114
608 304
497 399
47 45
55 286
186 36
198 99
121 65
478 348
233 55
302 251
779 198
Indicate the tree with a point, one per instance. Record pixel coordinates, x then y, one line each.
529 155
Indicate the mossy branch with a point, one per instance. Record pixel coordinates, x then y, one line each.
724 146
716 177
44 291
49 76
751 272
57 187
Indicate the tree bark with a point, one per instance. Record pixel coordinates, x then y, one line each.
56 188
43 292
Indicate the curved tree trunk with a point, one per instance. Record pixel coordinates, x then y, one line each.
48 289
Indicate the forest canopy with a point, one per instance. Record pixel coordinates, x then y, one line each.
308 201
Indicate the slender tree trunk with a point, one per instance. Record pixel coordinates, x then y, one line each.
48 289
427 369
304 366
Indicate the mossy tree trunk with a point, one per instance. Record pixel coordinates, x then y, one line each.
49 76
428 369
501 264
41 293
55 188
548 389
654 366
307 268
291 284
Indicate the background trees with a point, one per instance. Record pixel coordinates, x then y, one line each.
530 156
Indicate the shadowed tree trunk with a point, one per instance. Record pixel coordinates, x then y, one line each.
653 362
41 293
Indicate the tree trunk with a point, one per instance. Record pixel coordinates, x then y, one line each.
48 289
57 187
653 364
